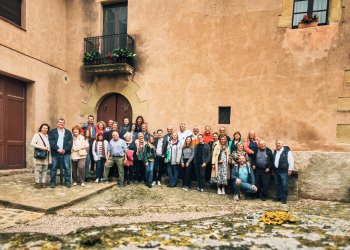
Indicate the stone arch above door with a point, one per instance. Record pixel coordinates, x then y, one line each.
103 88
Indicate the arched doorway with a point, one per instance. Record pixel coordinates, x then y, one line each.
114 107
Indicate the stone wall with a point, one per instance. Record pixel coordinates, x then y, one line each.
323 175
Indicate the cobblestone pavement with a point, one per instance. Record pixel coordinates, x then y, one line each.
10 217
160 217
18 191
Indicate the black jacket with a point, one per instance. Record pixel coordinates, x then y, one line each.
206 154
67 141
164 146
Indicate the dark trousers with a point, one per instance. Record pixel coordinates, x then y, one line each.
159 168
128 173
173 173
281 180
100 165
208 169
140 170
200 173
187 174
92 162
262 181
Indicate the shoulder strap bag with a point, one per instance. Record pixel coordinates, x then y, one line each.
40 153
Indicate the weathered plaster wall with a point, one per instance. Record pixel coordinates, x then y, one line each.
44 37
37 55
43 90
201 55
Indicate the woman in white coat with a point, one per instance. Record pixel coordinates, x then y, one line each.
40 141
78 156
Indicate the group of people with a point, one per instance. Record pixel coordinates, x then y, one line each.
244 166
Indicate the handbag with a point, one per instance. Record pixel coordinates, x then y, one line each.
40 153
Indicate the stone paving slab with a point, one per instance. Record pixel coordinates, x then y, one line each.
17 191
11 217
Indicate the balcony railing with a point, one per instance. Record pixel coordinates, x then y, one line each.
109 54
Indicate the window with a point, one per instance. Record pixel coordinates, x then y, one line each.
11 10
224 115
115 19
310 7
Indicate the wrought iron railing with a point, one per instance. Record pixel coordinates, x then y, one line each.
100 48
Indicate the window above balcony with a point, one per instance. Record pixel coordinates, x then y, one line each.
112 53
109 54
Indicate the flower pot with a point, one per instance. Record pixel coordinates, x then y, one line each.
302 25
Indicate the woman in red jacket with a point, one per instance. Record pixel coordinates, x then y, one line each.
251 145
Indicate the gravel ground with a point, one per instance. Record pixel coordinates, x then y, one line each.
59 225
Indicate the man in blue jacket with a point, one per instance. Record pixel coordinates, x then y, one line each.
243 179
61 144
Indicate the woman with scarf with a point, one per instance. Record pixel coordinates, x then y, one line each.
220 165
173 157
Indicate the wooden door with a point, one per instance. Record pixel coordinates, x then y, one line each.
12 123
114 107
123 110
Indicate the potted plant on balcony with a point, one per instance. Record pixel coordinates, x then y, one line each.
92 58
123 55
308 21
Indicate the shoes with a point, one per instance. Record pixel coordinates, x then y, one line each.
153 183
68 185
43 185
185 188
284 202
202 190
74 183
263 198
149 185
158 183
277 199
128 183
52 185
241 196
235 197
219 191
223 191
37 185
198 189
82 184
97 180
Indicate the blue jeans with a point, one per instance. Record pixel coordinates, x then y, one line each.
87 164
244 187
100 165
56 161
173 174
281 181
149 172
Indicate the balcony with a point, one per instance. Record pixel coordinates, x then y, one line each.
109 55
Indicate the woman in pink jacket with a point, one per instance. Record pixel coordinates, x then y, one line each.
251 145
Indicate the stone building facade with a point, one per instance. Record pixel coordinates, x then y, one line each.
194 58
